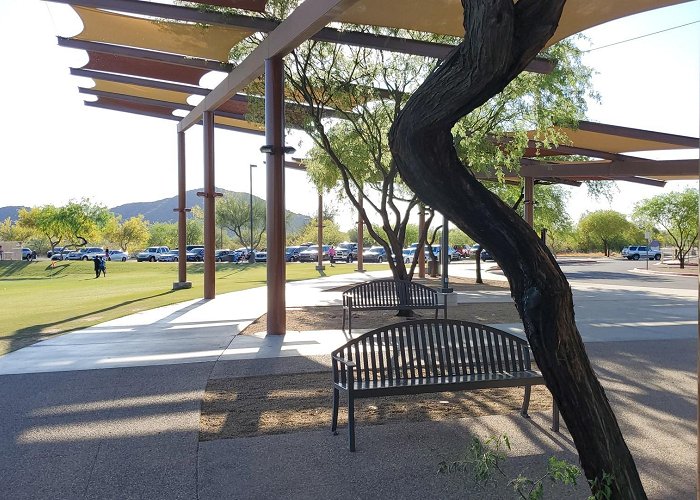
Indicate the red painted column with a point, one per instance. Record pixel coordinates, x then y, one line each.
209 210
319 234
360 236
421 248
181 212
274 137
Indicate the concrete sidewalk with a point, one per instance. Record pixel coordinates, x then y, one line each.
113 411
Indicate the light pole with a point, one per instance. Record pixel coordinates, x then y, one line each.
251 257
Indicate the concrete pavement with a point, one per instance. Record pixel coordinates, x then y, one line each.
113 411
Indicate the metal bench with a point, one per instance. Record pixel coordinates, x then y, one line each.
425 356
389 294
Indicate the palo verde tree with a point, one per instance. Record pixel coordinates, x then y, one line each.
45 221
74 224
130 234
233 213
604 229
677 214
501 38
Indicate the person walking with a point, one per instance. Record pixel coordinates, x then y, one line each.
103 267
96 262
331 255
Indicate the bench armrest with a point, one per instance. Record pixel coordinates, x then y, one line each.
347 363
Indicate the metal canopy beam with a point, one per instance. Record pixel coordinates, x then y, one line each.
304 21
108 48
355 38
645 168
633 133
135 80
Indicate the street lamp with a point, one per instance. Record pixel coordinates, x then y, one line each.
251 257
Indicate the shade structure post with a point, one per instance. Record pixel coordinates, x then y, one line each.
529 201
275 148
319 234
209 210
360 234
181 216
445 256
420 250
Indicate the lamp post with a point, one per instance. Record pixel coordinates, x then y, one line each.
251 257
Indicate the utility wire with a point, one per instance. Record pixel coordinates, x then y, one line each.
641 36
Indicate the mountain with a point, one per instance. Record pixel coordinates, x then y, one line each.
10 212
162 210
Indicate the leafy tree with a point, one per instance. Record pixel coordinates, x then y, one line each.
45 221
501 38
332 235
130 234
233 213
163 234
677 214
604 229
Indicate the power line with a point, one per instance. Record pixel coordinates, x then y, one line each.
642 36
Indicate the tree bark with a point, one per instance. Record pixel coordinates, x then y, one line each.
500 39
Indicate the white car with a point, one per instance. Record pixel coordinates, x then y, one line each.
118 255
86 253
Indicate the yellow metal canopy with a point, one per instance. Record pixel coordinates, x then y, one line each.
445 17
131 89
615 143
208 42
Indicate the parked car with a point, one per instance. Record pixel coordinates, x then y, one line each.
86 253
346 251
291 254
118 255
189 248
642 251
221 255
261 256
28 254
170 256
409 253
197 254
486 255
62 255
151 254
54 250
375 254
311 253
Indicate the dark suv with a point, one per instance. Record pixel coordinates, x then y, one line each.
346 252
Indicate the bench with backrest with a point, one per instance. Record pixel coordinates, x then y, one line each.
389 294
424 356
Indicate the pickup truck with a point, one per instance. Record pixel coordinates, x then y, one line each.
636 252
151 254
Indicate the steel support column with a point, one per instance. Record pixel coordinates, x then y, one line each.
421 249
181 215
274 137
529 201
319 234
360 236
209 215
445 256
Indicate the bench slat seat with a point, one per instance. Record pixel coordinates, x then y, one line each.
371 388
389 294
427 356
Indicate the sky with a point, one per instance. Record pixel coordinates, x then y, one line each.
53 149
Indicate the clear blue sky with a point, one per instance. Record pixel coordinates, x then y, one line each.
55 149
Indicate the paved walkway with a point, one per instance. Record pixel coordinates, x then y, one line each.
113 411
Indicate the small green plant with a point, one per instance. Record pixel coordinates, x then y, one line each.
483 461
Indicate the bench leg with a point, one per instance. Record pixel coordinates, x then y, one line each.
344 319
555 416
334 424
526 402
350 323
351 422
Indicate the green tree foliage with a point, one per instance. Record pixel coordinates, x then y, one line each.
163 234
45 222
604 230
677 214
128 235
332 235
233 214
75 224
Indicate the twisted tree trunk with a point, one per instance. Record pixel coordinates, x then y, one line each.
500 39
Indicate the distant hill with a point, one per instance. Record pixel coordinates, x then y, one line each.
162 210
11 212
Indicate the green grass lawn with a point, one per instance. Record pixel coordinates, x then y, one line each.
37 301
